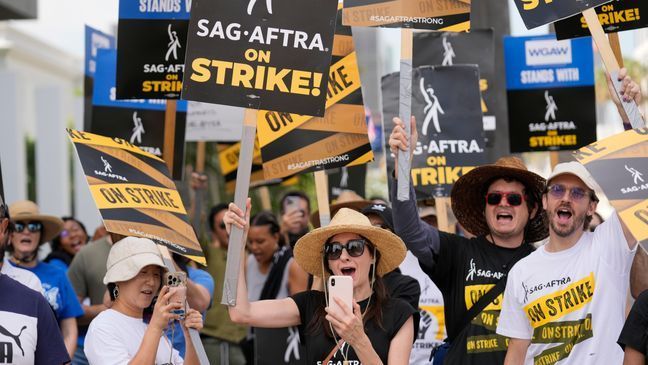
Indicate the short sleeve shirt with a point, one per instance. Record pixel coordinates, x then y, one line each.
319 345
635 331
29 333
57 290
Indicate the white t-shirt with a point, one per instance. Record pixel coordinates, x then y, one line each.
114 338
26 278
571 304
432 323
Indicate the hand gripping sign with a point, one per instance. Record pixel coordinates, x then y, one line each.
273 55
134 193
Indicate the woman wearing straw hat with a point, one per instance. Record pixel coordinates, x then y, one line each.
31 230
121 334
378 330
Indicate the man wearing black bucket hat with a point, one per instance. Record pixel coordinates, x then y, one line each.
498 203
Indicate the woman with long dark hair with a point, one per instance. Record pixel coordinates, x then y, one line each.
379 329
67 243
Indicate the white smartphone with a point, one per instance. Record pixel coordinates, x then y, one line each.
340 287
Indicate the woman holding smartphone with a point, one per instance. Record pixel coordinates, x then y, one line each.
122 334
377 330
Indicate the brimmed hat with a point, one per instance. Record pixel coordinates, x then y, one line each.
347 199
309 250
26 211
468 199
381 210
128 256
578 170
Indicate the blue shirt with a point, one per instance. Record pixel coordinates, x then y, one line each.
59 264
205 280
29 333
57 290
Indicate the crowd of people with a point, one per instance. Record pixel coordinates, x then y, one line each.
534 276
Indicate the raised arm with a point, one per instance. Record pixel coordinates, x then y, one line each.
420 238
276 313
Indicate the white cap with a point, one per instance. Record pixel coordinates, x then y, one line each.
130 255
576 169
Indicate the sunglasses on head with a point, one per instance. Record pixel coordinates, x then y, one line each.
558 191
513 199
32 227
355 248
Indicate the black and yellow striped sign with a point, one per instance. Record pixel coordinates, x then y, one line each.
292 144
228 156
134 193
446 15
619 164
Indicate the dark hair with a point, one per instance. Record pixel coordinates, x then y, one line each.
267 218
294 193
56 241
588 221
212 213
378 299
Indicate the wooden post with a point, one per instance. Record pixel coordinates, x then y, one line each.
235 248
554 158
443 214
321 188
169 146
612 66
405 112
200 157
264 195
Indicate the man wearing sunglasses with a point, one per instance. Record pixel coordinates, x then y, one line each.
566 301
500 205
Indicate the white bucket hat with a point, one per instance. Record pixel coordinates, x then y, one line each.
128 256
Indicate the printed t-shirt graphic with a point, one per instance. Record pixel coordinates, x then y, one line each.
571 304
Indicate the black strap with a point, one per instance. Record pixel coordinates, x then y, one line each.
488 298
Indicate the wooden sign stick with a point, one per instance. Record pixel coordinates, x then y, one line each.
264 195
235 248
616 47
200 193
169 146
554 158
321 188
443 214
611 65
405 112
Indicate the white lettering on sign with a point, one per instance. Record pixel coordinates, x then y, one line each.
548 52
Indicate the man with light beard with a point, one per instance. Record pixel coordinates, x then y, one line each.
565 302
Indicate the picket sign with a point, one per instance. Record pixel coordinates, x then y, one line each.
243 172
405 112
321 188
169 144
612 66
443 214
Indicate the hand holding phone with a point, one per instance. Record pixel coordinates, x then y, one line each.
340 287
177 283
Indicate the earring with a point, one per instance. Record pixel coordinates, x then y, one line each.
115 292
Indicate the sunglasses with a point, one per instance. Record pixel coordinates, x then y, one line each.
513 199
355 248
558 191
32 227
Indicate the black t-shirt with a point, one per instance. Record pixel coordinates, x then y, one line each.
466 269
319 345
635 330
406 288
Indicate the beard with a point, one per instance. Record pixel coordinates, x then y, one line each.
566 231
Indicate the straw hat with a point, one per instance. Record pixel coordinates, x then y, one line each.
347 199
130 255
28 211
309 250
468 196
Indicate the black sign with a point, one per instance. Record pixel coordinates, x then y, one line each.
447 107
616 16
265 54
151 48
476 47
535 13
94 40
2 186
347 178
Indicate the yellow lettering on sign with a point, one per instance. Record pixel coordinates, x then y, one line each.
472 293
115 196
553 306
552 140
438 175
